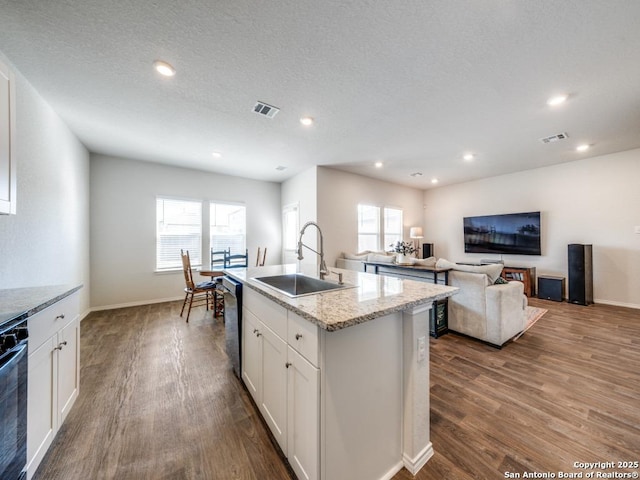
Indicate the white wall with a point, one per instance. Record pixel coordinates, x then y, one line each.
339 194
594 201
303 191
123 228
47 241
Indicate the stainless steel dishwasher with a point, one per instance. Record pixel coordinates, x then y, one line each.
233 322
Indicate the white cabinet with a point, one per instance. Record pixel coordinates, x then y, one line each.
251 355
54 374
303 417
273 403
284 384
7 141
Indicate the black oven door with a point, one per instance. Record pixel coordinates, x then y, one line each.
13 412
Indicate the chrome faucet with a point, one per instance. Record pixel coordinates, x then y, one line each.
323 266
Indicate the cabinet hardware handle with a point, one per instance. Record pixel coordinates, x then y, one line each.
298 336
64 343
258 334
61 316
60 345
288 364
255 330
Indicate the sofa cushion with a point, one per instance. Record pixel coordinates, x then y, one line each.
355 256
380 258
423 262
492 271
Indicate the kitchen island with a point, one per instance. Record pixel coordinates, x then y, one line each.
341 377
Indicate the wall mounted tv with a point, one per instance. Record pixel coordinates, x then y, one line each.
511 233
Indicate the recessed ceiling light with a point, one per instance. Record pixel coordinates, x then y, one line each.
216 154
582 148
306 121
557 100
468 157
434 180
378 164
163 68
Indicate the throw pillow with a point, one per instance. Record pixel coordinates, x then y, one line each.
500 281
424 262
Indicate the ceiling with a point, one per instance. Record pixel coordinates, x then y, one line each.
414 84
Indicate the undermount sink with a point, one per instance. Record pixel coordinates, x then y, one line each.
297 285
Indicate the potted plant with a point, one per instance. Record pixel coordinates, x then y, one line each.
404 250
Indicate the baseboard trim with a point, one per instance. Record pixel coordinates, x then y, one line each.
616 304
392 473
138 303
415 464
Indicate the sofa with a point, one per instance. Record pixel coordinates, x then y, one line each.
483 309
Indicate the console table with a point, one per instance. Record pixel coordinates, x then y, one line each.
438 316
526 275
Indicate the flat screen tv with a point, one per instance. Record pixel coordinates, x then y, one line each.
511 233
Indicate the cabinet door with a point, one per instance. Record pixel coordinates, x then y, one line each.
274 384
303 422
251 355
68 372
41 402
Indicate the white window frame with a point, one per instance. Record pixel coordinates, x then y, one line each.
172 261
199 255
236 247
292 210
380 234
389 236
375 233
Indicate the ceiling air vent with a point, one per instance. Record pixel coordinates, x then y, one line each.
265 109
554 138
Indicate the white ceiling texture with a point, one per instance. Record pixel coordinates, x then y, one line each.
414 84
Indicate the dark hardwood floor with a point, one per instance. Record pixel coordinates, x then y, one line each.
158 401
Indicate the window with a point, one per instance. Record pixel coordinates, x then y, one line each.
368 228
290 229
392 226
228 227
178 226
378 228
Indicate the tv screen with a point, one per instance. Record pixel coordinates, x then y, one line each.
512 233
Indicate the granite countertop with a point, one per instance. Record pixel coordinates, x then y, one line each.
374 295
19 303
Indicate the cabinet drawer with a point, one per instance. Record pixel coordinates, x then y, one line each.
302 335
46 323
270 313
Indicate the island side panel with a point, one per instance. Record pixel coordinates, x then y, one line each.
417 447
362 400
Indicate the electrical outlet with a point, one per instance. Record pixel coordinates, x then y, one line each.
422 349
637 229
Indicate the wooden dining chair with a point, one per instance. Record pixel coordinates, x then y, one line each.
260 261
204 293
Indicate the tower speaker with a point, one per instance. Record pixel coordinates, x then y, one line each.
580 274
427 250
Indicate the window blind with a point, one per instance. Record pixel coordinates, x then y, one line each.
178 226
